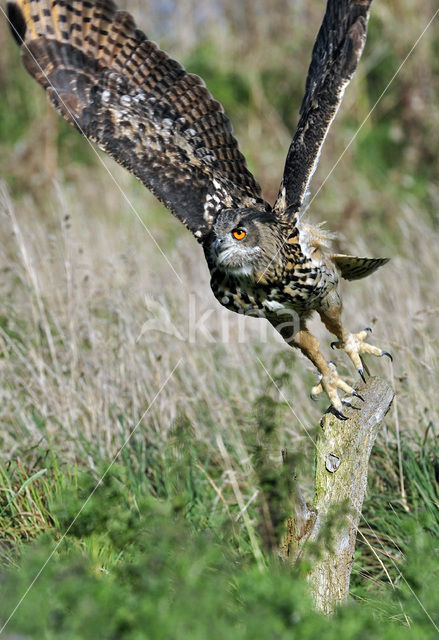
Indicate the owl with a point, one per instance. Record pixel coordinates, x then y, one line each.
122 92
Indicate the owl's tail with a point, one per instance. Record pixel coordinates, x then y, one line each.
354 268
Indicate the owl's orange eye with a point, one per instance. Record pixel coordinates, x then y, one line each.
239 234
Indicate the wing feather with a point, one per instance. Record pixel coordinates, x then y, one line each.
335 56
123 92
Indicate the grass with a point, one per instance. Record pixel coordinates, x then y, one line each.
93 320
132 561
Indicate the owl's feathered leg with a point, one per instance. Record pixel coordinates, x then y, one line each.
330 381
352 343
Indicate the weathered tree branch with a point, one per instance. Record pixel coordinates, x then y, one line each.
342 457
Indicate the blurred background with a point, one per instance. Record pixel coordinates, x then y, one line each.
84 288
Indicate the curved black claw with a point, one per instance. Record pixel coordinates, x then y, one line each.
389 355
357 395
313 397
351 406
334 345
337 413
368 329
361 372
364 365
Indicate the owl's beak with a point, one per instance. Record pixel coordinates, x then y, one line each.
217 245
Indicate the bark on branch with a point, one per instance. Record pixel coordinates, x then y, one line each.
342 458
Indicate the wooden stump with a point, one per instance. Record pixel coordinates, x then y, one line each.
342 458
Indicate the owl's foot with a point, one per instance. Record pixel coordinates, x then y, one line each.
355 346
329 384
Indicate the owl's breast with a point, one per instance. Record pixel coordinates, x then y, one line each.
305 284
300 288
242 295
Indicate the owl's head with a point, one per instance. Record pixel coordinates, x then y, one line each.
243 240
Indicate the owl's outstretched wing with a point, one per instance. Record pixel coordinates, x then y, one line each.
335 56
121 91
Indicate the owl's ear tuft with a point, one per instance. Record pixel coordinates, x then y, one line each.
17 23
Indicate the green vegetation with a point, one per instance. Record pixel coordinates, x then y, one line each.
177 541
133 562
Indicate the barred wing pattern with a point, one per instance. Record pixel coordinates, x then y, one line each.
123 92
335 57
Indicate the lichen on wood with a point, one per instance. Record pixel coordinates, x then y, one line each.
343 450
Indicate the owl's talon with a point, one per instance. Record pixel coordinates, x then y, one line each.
346 403
330 382
365 367
336 344
389 355
337 413
355 346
